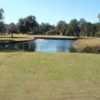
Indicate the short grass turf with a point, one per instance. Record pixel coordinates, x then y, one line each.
49 76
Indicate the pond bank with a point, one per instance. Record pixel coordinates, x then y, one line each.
54 37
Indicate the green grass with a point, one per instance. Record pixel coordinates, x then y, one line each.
91 45
16 37
23 37
47 76
90 42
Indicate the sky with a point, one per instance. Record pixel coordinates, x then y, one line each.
50 10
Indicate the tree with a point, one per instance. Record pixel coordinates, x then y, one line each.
87 28
22 26
98 17
45 28
61 27
1 13
31 24
73 28
82 24
93 29
12 29
2 25
97 29
28 25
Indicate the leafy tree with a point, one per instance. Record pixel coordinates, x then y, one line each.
93 29
1 13
82 25
31 24
97 27
2 27
98 17
45 28
12 28
28 25
51 32
73 28
61 28
22 26
87 28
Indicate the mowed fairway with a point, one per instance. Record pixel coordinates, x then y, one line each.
43 76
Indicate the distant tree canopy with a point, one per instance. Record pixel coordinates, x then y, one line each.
1 13
61 27
45 28
29 25
2 25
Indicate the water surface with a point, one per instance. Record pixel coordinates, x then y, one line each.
51 45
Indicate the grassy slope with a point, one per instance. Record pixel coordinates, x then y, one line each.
87 42
36 76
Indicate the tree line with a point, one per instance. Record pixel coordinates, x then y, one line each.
29 25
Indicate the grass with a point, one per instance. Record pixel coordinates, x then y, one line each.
25 37
55 37
46 76
87 45
16 37
91 42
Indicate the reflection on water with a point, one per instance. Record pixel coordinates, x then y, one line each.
39 45
44 45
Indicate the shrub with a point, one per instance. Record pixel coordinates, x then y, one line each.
72 49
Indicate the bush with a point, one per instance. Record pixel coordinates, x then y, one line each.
72 49
91 49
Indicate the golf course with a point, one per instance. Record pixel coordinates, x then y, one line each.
49 76
50 50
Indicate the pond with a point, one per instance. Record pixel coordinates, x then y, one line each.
51 45
39 45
